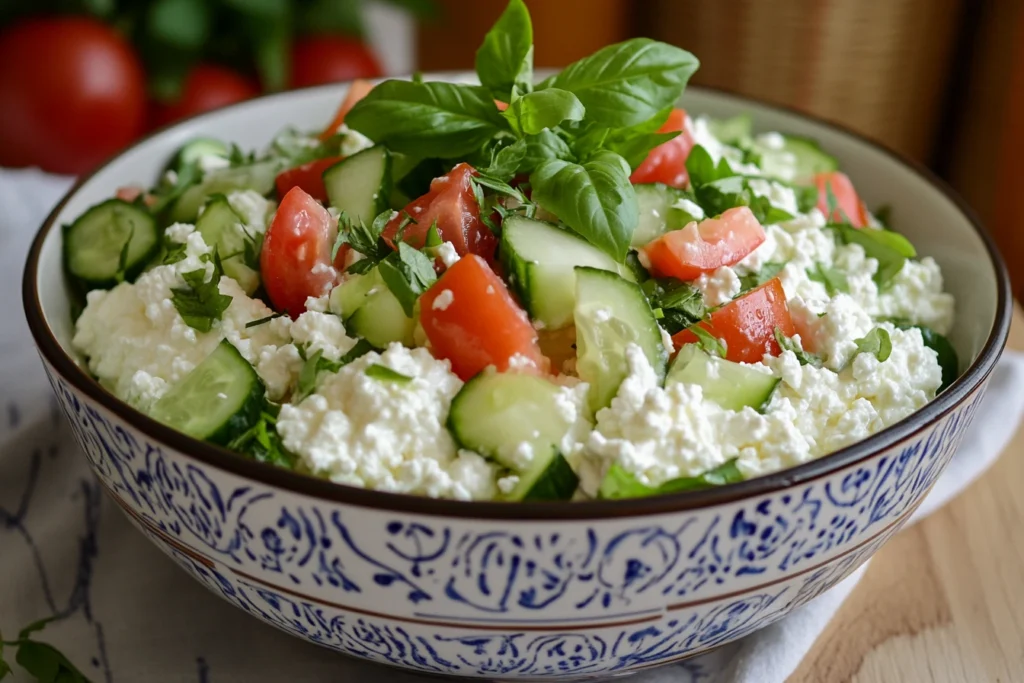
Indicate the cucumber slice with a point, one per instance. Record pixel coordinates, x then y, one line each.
371 311
360 185
612 313
258 176
111 242
799 159
549 477
733 131
494 412
539 259
733 386
659 213
193 150
221 398
223 229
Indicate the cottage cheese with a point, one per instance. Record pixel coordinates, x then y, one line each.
446 252
386 435
718 287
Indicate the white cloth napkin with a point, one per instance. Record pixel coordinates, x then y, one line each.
128 614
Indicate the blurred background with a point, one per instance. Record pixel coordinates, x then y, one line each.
940 81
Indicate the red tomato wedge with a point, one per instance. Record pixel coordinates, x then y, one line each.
295 261
452 203
666 163
471 319
357 91
747 325
847 200
308 176
706 246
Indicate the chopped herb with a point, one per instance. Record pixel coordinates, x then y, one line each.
835 212
876 342
790 344
262 443
709 342
889 248
637 268
403 224
408 273
260 321
433 236
702 168
500 187
364 239
200 303
386 374
620 483
834 280
681 304
315 363
173 251
768 272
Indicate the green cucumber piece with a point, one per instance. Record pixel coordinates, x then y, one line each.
611 313
360 185
192 151
733 386
800 159
111 242
659 213
539 259
258 176
223 229
220 399
732 131
371 311
494 412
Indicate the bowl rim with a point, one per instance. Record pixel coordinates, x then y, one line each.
221 458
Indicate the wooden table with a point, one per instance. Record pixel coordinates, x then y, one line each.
944 600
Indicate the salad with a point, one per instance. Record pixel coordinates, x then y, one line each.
513 291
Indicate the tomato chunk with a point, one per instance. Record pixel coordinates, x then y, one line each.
747 325
452 203
356 91
847 201
666 163
471 319
308 176
295 262
706 246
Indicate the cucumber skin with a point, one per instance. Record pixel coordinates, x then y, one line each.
384 190
243 419
558 481
85 284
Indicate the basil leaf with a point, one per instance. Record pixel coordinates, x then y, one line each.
620 483
709 342
768 272
505 161
544 146
890 249
627 83
702 169
435 119
200 303
876 342
407 273
537 111
505 59
386 374
947 356
834 280
595 199
790 344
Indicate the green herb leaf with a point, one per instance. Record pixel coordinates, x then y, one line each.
681 304
315 363
505 59
876 342
538 111
182 24
433 119
545 146
789 344
619 483
386 374
407 273
364 239
595 199
627 83
639 272
806 196
720 195
834 280
200 302
702 168
42 660
949 361
433 237
635 148
768 272
262 443
890 249
709 342
734 131
260 321
505 161
500 187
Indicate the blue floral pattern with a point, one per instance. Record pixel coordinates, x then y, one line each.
510 598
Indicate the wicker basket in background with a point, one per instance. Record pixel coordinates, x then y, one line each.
877 66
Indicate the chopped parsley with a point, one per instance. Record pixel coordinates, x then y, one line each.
365 239
386 374
408 273
876 342
754 280
681 304
834 280
790 344
200 302
315 363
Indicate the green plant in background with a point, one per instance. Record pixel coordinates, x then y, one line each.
44 662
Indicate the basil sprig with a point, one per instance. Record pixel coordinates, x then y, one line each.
578 134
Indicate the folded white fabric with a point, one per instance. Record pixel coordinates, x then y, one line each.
130 615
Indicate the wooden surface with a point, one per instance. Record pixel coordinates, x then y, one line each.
944 600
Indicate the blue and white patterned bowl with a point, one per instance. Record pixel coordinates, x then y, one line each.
523 591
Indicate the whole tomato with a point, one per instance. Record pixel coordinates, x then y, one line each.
72 93
327 59
206 87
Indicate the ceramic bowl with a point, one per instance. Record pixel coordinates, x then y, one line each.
523 591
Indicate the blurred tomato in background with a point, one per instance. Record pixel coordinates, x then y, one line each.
82 79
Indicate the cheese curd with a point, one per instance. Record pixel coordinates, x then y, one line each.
383 434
